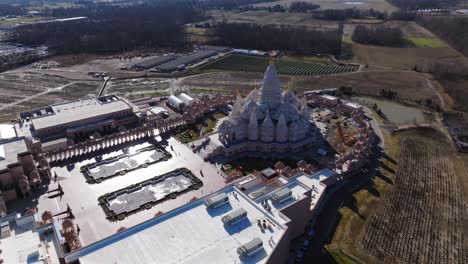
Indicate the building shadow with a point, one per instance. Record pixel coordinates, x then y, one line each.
333 228
238 226
224 209
352 204
21 205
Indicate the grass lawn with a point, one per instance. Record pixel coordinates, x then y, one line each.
348 39
362 204
342 258
200 129
249 165
19 20
49 6
427 42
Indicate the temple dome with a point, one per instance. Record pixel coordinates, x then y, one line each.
289 111
271 90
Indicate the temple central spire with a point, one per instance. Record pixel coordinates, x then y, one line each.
271 87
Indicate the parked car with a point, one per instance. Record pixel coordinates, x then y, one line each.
305 244
299 257
310 234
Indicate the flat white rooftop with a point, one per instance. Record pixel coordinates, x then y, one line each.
318 189
297 189
322 174
189 234
7 131
329 97
353 105
25 246
83 109
9 152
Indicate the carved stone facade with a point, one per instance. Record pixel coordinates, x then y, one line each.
268 120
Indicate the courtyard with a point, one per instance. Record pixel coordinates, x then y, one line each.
82 197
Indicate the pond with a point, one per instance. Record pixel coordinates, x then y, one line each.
395 112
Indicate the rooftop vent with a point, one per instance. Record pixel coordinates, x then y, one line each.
281 195
234 216
216 201
250 248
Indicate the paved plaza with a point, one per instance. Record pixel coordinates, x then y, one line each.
83 197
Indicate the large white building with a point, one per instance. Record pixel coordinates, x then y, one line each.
267 120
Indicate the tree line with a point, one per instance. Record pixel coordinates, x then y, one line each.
453 29
283 37
111 28
380 35
301 6
7 9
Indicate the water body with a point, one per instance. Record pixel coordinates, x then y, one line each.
395 112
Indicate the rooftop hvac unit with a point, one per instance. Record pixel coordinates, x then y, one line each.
281 195
234 216
217 201
250 248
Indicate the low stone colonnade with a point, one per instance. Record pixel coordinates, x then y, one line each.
150 127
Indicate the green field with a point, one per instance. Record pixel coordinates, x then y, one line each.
284 66
427 42
19 20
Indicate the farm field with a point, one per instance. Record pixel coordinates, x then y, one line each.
274 18
427 42
20 20
26 91
287 67
423 49
380 5
421 219
410 86
405 58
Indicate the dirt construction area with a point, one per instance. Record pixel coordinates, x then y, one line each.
24 91
423 219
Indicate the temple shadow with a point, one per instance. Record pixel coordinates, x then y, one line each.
384 155
387 168
384 178
352 204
